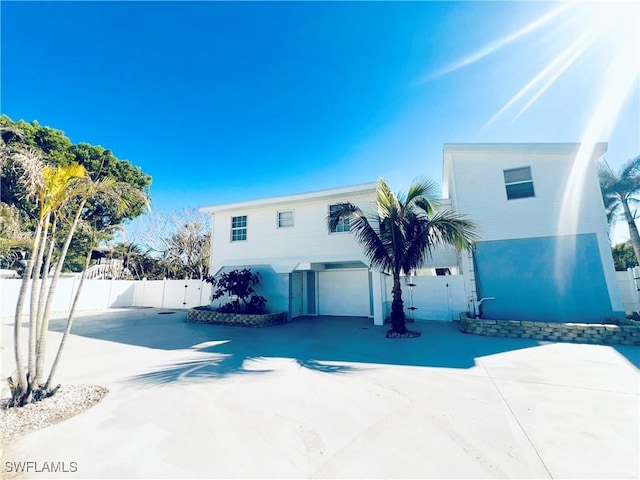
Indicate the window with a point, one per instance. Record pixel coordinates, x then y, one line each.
238 228
343 226
285 219
519 183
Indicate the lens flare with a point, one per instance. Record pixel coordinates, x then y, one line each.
603 34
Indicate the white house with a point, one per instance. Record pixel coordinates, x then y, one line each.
544 252
534 260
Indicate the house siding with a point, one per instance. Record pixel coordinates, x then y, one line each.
532 278
478 190
520 275
308 240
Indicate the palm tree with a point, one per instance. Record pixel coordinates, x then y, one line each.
62 194
619 191
402 232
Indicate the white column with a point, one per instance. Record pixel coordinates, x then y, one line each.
634 274
609 272
468 273
378 298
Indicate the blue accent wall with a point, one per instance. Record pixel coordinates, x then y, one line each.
520 274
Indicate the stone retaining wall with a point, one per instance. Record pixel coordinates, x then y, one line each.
608 334
198 315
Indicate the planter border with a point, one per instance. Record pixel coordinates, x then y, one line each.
212 317
595 333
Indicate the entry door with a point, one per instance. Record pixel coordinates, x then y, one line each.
295 295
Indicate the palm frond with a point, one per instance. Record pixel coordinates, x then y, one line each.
423 193
631 169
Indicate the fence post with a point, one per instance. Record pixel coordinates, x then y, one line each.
164 287
109 296
73 288
143 302
634 280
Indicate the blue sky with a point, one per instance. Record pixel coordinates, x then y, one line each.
224 102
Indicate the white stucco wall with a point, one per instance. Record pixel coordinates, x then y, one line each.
307 241
567 199
474 181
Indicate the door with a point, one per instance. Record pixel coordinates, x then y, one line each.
295 295
344 293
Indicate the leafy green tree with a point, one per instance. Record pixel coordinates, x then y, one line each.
619 192
400 233
14 238
623 256
60 194
138 263
57 150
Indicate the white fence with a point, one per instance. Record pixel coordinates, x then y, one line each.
432 297
99 294
435 298
629 285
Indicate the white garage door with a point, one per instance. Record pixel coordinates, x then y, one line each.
344 293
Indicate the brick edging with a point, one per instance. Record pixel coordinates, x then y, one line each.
608 334
196 315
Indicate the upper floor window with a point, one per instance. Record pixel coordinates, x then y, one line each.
344 225
285 219
238 228
519 183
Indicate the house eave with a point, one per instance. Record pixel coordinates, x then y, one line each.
291 199
599 148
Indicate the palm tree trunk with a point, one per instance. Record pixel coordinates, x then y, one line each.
35 291
633 229
67 330
397 306
20 391
52 291
42 298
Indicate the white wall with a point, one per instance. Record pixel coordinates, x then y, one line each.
100 294
308 240
629 286
474 181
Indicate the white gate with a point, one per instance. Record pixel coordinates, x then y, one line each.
431 297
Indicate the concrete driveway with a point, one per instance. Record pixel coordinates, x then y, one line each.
332 398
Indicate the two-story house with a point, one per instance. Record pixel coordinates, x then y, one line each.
543 253
305 268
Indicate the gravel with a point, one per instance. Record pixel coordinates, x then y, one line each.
68 401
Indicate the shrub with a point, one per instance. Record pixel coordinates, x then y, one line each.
238 284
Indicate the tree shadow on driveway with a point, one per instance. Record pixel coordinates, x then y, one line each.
335 345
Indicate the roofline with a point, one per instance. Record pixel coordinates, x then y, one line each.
299 197
599 148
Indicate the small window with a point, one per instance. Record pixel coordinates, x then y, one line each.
285 219
344 225
519 183
238 228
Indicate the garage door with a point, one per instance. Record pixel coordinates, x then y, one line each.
344 293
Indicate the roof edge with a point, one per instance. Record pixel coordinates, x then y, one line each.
538 147
299 197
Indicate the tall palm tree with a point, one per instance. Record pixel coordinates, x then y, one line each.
62 194
619 192
49 186
402 232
